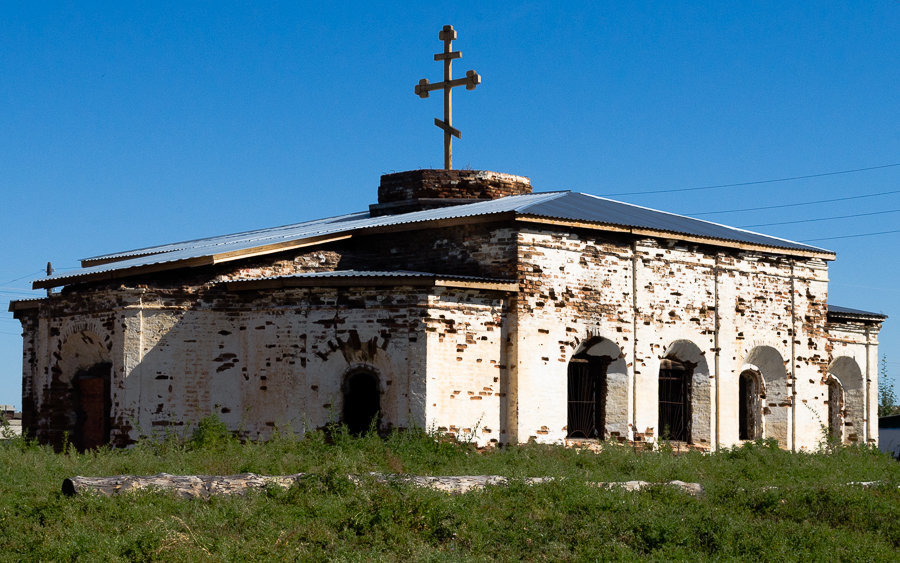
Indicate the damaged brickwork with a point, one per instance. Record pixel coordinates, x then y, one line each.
641 338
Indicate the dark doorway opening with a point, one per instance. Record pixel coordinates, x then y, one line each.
834 410
362 402
748 407
93 406
675 400
587 396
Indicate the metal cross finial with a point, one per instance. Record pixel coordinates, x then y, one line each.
447 35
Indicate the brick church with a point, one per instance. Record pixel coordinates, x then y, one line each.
460 302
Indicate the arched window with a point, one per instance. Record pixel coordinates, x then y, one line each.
362 401
835 405
675 400
587 396
749 407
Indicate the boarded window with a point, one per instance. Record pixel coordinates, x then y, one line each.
587 396
675 400
362 402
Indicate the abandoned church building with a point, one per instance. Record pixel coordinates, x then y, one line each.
464 303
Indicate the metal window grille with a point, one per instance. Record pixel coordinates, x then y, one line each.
587 397
674 401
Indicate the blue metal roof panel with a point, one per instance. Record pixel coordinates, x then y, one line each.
586 207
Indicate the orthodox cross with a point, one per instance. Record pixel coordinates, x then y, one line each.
447 35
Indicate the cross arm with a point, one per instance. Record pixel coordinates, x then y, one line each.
447 56
448 128
471 80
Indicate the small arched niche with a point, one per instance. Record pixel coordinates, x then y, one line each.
852 384
362 401
775 398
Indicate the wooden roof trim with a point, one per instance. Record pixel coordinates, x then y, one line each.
639 231
25 304
362 281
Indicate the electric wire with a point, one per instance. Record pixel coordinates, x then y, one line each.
783 205
756 182
852 236
835 217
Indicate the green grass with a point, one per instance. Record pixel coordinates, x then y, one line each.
761 503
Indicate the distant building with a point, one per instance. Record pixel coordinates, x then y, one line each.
11 417
465 303
889 435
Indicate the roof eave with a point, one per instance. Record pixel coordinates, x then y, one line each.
642 231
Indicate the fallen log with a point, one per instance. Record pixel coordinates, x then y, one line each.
204 486
185 486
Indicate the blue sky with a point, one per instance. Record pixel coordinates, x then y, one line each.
127 125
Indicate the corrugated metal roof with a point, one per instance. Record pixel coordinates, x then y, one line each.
853 312
254 236
555 205
586 207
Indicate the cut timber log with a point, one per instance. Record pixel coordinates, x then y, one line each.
204 486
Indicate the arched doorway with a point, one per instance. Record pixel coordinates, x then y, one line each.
362 401
675 399
835 406
92 404
749 406
81 393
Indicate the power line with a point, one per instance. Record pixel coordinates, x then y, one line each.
783 205
757 182
25 276
852 236
820 219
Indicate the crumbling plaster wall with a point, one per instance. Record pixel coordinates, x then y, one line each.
855 353
467 375
274 358
257 360
656 299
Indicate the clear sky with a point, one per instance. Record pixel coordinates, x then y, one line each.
126 124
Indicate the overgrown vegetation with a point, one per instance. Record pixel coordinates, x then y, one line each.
761 503
887 399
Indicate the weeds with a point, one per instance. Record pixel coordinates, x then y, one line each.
761 502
